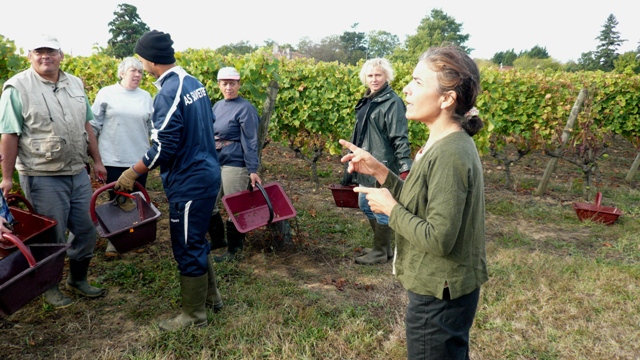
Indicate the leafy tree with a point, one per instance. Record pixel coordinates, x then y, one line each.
588 61
530 63
353 45
627 62
435 29
329 49
125 28
536 52
381 44
610 41
505 58
240 48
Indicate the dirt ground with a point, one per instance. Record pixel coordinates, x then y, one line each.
98 328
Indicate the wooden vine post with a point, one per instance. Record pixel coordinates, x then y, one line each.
281 229
634 168
267 111
566 133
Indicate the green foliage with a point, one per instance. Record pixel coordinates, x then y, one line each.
504 58
434 30
315 104
354 45
125 28
239 48
381 44
530 63
536 52
10 62
627 63
610 41
588 61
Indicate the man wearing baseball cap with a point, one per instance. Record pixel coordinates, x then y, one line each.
184 149
236 133
44 122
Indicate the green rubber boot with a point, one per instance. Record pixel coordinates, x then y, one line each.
381 244
365 251
194 296
77 279
56 298
216 232
214 300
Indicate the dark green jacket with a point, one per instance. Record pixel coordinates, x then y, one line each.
439 220
384 134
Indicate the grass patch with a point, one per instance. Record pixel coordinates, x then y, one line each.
558 289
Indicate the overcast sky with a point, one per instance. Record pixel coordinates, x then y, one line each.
567 28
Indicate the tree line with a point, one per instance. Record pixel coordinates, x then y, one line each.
436 28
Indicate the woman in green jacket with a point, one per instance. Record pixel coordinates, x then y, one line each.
438 212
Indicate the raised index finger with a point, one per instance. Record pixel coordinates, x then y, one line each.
348 145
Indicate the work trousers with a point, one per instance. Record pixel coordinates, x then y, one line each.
234 179
188 224
439 329
65 199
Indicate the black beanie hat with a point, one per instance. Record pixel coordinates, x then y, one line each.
155 46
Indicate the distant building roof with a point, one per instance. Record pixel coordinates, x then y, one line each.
286 53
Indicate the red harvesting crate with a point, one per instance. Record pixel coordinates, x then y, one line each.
26 274
30 228
344 196
126 230
596 212
250 209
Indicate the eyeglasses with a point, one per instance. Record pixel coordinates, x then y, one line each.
42 52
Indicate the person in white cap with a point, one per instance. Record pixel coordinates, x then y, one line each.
236 134
46 135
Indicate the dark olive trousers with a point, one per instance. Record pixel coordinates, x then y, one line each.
439 329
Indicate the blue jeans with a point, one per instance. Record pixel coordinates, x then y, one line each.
188 224
381 219
65 199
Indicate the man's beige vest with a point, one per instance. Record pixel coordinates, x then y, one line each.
53 140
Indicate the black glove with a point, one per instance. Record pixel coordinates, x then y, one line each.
347 178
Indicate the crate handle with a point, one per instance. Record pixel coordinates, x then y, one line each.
94 197
23 248
266 198
598 200
13 198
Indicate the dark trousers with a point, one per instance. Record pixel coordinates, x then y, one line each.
439 329
188 225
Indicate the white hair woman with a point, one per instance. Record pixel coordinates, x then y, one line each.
122 123
381 128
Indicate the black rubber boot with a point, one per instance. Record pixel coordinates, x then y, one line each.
216 231
214 300
236 244
77 280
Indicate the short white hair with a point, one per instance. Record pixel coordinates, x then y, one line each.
129 62
371 64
